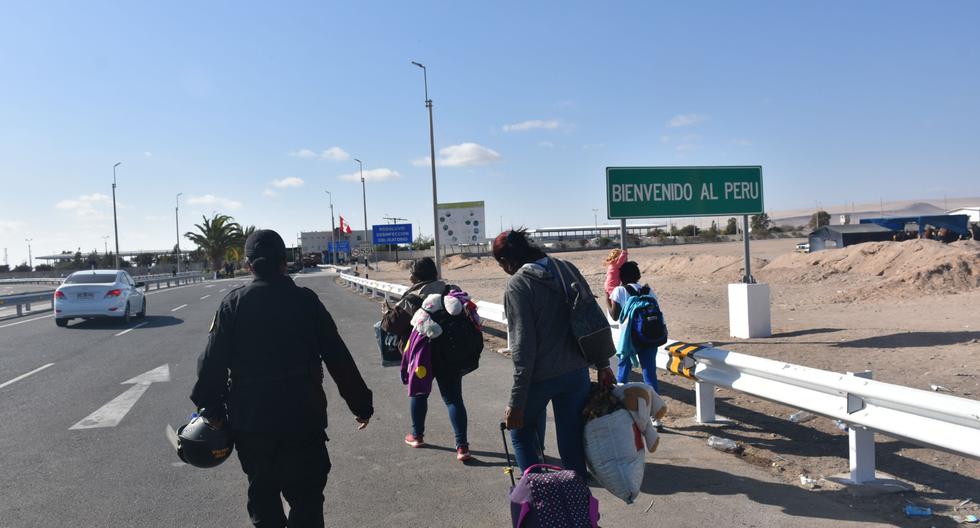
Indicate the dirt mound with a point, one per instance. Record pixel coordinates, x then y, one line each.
404 264
876 269
712 268
454 262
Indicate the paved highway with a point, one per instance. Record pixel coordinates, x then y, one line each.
69 459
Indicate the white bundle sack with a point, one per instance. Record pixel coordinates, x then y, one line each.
616 454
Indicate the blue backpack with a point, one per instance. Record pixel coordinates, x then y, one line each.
647 327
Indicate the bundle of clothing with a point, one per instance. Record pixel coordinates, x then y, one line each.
618 432
417 369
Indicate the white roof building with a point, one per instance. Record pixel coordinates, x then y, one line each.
972 212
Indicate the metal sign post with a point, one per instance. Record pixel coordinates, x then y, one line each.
665 192
748 278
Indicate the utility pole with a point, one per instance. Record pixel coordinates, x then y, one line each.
333 236
105 245
177 217
30 258
432 158
394 220
115 224
364 197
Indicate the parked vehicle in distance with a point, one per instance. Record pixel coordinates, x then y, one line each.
92 294
803 247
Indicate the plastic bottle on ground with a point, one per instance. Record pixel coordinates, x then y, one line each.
722 444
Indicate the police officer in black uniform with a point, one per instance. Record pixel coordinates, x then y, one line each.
262 373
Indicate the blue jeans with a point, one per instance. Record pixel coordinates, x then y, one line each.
568 394
451 389
648 363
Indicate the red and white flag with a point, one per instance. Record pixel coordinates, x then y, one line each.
344 226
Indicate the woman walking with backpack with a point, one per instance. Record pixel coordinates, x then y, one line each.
642 329
549 366
404 321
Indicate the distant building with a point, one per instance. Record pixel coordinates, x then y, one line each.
838 236
319 241
972 212
561 234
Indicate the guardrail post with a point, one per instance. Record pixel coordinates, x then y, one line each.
20 310
860 441
704 394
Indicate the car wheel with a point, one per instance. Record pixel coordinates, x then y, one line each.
127 318
61 321
142 313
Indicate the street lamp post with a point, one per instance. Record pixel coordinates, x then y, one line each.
333 235
177 219
432 157
364 198
105 244
595 217
115 224
30 257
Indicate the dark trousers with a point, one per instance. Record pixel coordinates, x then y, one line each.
568 394
451 389
294 466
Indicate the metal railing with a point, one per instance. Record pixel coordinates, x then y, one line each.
866 406
24 301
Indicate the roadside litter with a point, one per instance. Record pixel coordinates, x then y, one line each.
801 417
724 444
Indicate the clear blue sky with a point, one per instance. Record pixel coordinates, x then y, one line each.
838 101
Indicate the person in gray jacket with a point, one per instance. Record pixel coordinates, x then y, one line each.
548 364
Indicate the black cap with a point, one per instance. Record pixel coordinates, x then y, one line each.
265 243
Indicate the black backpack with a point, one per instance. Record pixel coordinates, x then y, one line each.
458 348
647 327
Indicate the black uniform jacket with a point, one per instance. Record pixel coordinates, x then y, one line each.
263 360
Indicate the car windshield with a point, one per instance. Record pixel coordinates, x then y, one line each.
91 278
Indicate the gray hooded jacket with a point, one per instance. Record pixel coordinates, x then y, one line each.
541 341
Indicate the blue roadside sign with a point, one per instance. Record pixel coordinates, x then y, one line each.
391 234
343 246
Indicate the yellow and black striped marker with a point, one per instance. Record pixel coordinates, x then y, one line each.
682 362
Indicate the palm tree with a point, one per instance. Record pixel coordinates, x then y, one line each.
216 236
237 251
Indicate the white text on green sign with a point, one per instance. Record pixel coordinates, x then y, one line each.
650 192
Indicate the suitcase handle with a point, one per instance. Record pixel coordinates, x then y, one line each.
542 466
509 470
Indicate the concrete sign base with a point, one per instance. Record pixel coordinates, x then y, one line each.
748 310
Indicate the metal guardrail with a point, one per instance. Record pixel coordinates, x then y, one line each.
24 300
866 406
59 280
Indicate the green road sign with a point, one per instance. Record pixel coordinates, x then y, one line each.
651 192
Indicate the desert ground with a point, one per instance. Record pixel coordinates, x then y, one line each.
905 310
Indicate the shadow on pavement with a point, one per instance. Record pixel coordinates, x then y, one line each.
790 499
152 321
912 339
809 331
805 441
476 456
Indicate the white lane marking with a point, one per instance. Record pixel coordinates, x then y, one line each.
222 290
178 308
27 321
128 330
171 436
165 290
110 414
205 297
22 376
210 286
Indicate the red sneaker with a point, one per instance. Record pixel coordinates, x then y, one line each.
463 454
414 441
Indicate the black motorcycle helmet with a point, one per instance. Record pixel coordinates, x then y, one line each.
202 445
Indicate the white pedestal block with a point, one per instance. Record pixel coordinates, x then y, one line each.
748 310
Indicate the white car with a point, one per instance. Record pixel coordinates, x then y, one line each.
94 294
